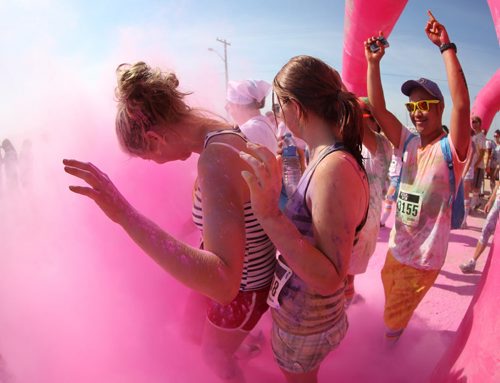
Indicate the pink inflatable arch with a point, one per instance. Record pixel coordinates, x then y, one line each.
363 19
495 14
474 355
487 102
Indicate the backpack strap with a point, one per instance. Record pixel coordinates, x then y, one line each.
445 148
408 139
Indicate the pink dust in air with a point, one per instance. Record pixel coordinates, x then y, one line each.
80 302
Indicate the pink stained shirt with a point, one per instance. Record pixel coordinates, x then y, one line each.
421 232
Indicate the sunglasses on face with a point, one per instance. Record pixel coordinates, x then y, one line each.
422 105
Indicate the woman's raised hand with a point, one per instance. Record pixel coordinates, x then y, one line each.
100 189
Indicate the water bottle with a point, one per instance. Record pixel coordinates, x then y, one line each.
291 165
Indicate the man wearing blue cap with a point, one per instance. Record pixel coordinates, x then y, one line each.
419 239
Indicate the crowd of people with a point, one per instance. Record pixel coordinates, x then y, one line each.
300 260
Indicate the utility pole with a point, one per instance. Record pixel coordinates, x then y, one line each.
223 58
223 41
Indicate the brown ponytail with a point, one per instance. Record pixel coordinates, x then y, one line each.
350 124
318 89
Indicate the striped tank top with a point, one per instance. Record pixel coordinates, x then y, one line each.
260 252
303 311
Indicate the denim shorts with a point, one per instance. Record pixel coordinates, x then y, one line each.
303 353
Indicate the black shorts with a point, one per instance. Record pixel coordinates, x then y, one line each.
478 178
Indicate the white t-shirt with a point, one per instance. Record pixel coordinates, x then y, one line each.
258 129
490 147
421 232
479 140
495 156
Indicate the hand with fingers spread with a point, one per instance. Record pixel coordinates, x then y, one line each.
265 181
100 189
374 56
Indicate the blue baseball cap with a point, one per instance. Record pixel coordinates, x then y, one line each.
425 83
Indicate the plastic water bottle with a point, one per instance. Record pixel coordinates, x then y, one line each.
291 165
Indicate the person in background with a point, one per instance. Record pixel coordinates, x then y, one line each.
235 264
390 197
479 141
419 239
468 177
493 209
488 159
376 152
316 232
244 100
495 158
10 163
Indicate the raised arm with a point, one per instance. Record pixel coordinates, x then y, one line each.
214 272
389 123
469 163
460 113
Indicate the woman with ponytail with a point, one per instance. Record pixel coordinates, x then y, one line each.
316 232
235 265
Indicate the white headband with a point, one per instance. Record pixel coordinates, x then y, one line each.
247 91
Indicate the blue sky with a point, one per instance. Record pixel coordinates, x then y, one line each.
45 42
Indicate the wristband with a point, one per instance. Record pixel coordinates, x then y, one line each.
446 46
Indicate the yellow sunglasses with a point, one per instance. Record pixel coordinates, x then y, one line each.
422 105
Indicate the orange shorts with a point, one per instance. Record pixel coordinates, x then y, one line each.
404 288
242 313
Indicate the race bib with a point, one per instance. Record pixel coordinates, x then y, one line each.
281 276
409 207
